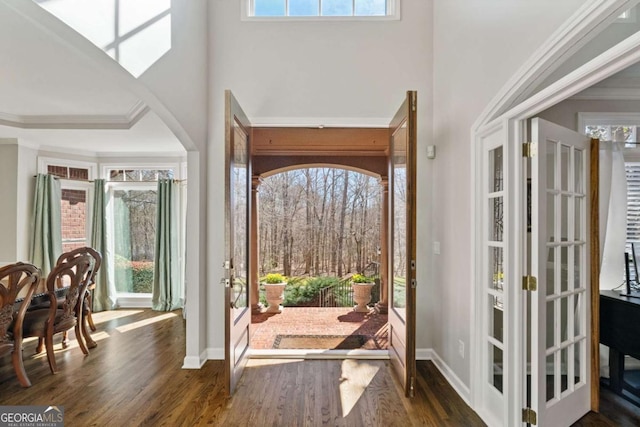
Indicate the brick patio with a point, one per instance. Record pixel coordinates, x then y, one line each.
319 321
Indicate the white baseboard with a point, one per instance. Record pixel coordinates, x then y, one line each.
194 362
215 353
461 388
131 300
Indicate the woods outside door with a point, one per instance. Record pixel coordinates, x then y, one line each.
402 242
237 209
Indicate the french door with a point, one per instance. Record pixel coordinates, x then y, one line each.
402 242
237 209
560 307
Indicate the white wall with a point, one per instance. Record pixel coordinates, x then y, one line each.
566 113
27 169
345 72
9 195
478 45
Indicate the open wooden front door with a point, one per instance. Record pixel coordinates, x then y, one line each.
402 242
237 207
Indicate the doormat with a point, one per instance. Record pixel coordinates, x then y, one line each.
333 342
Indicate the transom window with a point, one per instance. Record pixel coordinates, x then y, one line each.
139 175
322 8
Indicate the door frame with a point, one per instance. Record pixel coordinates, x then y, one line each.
511 123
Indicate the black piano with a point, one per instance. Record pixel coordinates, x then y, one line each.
620 331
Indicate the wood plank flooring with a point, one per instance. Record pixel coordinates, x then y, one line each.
134 378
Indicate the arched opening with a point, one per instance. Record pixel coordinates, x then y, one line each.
318 225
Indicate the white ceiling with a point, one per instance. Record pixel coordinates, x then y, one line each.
52 97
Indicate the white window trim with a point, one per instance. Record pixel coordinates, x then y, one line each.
72 184
175 166
45 162
631 154
246 14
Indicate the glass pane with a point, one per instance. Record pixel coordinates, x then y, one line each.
399 221
496 212
551 218
578 358
564 363
496 268
578 233
622 133
599 132
337 8
73 219
564 269
578 325
131 175
269 7
577 267
551 377
496 168
59 171
564 218
550 330
565 152
496 326
578 172
495 370
551 161
564 319
116 175
303 8
134 216
551 270
240 198
79 174
371 7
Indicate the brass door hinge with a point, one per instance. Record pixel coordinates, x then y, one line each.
528 149
529 416
529 283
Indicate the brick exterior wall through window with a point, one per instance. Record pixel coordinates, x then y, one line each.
74 219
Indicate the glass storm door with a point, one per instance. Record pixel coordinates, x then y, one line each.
402 243
560 307
237 205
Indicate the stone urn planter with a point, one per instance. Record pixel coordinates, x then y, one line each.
361 286
274 285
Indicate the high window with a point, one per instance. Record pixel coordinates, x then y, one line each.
322 8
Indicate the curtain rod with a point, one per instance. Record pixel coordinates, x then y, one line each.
106 180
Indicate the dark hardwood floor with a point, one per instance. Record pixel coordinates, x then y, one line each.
134 377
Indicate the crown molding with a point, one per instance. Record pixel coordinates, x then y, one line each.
107 121
608 93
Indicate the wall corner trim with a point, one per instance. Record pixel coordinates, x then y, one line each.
460 387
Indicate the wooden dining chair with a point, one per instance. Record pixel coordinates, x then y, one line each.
44 323
17 282
88 302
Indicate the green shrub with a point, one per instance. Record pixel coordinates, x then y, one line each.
142 276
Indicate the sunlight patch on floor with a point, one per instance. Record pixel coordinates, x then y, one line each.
105 316
141 323
356 377
73 343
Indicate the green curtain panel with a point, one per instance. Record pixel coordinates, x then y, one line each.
168 277
46 231
104 296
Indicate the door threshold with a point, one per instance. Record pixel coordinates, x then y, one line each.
318 354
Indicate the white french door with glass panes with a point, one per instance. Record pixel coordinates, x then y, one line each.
560 307
494 378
